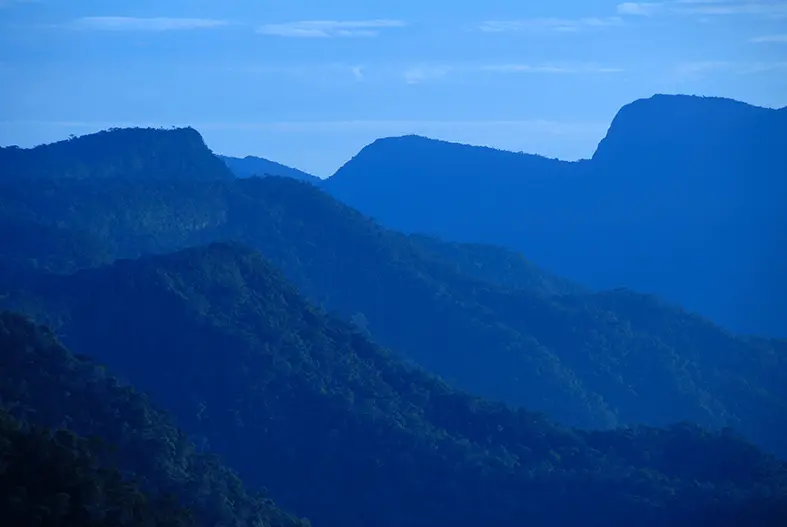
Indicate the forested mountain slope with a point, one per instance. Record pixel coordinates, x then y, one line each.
342 432
136 153
684 198
54 479
250 166
481 317
74 481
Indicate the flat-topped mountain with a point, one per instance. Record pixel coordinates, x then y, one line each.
136 153
666 129
683 198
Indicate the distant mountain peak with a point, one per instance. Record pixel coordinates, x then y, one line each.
125 153
251 166
135 134
437 145
683 109
432 162
686 125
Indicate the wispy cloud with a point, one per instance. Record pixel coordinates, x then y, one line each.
329 28
549 24
772 9
775 9
730 67
549 68
427 72
639 8
413 73
123 23
357 72
423 73
771 38
704 66
760 67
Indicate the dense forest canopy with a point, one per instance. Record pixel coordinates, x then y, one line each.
357 375
217 336
54 479
484 318
44 387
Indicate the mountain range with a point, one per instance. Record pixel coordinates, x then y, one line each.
359 374
308 407
482 317
683 198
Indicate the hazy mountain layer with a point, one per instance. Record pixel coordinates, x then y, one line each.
250 166
684 198
342 432
484 318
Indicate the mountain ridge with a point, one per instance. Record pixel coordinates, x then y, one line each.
218 337
523 337
139 153
47 386
483 319
682 193
227 300
250 166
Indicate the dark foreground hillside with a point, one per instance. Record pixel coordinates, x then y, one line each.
54 479
343 433
483 318
61 479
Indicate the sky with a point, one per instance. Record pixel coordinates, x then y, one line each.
308 83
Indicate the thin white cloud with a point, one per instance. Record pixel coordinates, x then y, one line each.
329 28
297 69
698 67
357 72
639 8
123 23
564 25
770 9
729 67
771 38
549 68
423 73
760 67
433 72
412 73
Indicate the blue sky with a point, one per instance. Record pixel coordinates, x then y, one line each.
308 83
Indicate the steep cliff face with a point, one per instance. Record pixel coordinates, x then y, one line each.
666 129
